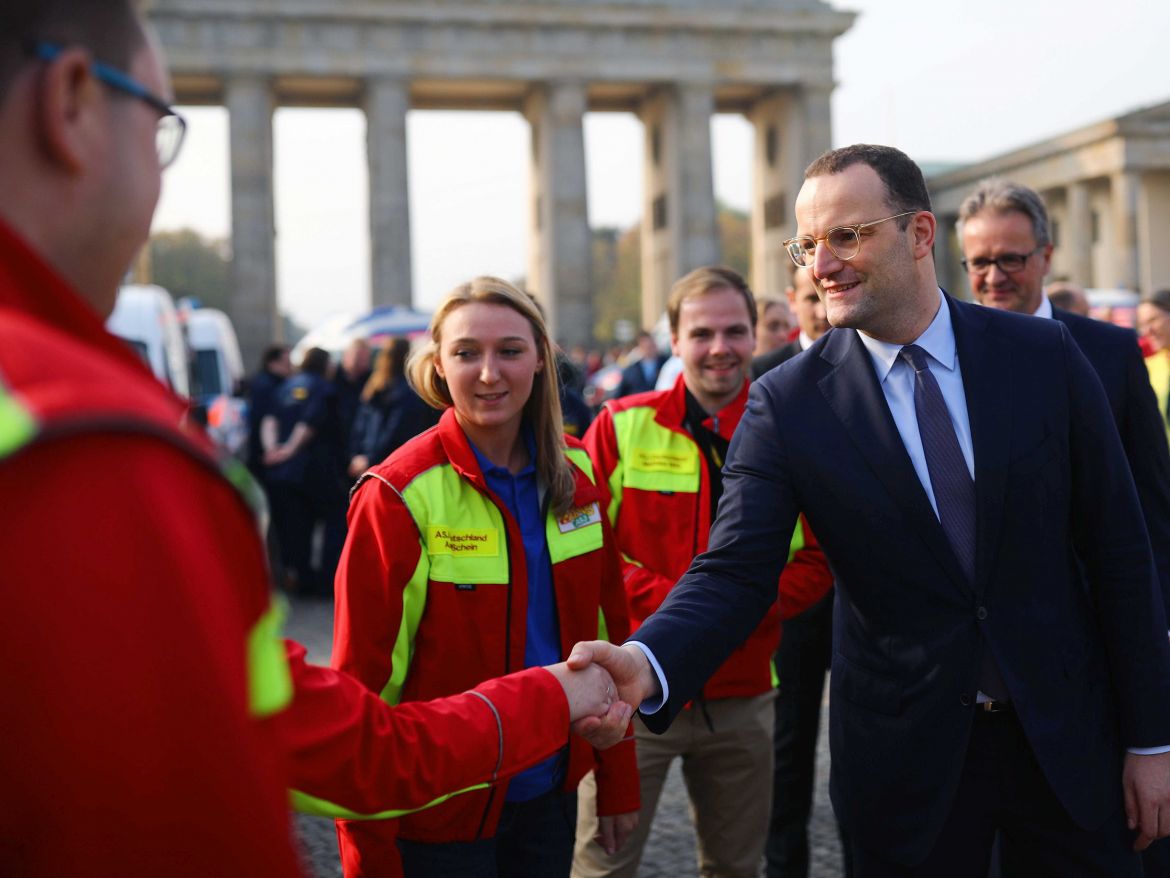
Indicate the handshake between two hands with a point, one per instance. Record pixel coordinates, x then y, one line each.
604 685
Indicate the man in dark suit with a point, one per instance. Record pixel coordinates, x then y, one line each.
1007 253
810 318
1007 250
1000 654
802 660
641 374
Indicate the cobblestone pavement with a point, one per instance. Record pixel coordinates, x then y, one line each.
670 850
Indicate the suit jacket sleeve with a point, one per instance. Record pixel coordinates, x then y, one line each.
729 588
1143 434
1109 535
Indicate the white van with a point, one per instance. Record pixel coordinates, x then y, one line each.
217 368
146 318
217 376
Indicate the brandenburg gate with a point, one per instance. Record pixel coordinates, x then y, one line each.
672 62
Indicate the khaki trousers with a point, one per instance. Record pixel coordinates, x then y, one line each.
728 774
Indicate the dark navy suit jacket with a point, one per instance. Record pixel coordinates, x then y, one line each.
1086 658
1117 359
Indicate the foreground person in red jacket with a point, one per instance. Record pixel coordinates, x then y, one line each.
153 723
480 547
661 454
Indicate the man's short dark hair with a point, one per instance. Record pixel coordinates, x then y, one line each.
1003 196
272 354
905 186
110 29
316 361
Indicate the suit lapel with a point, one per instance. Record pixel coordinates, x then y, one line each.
986 363
856 398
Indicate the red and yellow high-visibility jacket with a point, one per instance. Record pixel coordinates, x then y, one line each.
153 722
660 508
432 598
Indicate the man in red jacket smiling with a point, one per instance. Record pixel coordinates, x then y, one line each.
662 453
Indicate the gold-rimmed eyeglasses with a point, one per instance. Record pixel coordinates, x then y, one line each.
844 242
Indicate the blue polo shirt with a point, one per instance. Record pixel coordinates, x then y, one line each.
520 493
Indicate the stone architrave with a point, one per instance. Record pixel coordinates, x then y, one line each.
679 230
560 269
387 100
674 62
253 304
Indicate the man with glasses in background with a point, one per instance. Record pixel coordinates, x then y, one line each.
152 721
1007 250
998 642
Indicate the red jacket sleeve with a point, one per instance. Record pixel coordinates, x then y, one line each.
806 577
353 755
645 590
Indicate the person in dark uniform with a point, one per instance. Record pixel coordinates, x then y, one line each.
302 470
390 412
274 369
640 375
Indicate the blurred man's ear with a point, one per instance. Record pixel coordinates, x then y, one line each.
68 110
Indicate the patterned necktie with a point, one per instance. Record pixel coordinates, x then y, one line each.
954 489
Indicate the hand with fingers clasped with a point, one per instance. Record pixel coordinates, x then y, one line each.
635 681
589 690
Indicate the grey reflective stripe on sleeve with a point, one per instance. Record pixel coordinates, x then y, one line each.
499 730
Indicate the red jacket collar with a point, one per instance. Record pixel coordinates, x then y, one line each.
672 412
458 452
30 285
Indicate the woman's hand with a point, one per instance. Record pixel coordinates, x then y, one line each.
613 831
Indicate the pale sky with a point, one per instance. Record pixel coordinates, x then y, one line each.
941 79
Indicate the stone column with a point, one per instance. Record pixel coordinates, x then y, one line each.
386 103
1124 197
560 263
257 321
1153 220
817 112
776 175
1078 240
791 129
679 230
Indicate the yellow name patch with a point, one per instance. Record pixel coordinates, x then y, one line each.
443 540
581 516
661 460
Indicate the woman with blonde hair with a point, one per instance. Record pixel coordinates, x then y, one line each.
480 547
390 412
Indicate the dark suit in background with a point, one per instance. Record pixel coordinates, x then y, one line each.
766 362
1114 354
1087 668
634 378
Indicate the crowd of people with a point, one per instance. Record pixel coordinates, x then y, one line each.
960 509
